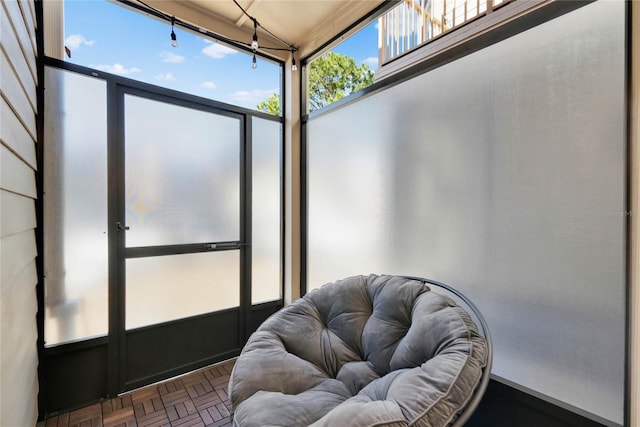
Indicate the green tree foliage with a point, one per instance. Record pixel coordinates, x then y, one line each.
331 77
271 105
334 76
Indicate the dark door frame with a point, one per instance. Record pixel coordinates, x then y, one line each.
77 373
151 338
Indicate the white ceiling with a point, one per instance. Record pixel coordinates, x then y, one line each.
306 24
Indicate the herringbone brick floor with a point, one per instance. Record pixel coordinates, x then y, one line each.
196 399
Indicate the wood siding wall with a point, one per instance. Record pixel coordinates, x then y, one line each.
18 275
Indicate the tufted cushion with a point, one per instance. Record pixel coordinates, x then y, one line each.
364 351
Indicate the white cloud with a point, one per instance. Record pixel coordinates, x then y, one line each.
166 76
74 41
252 97
216 50
117 69
171 57
208 85
372 62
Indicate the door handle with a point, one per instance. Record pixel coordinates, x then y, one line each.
121 227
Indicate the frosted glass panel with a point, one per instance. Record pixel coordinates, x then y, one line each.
182 174
75 207
166 288
501 173
266 185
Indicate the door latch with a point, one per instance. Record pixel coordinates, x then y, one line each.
121 227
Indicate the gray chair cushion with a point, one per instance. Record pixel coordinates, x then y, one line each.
363 351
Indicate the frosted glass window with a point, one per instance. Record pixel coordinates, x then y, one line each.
266 199
75 207
160 289
503 174
182 174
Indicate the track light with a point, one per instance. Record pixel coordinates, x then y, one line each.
254 65
174 41
254 42
294 67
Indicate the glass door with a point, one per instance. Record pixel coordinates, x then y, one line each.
179 221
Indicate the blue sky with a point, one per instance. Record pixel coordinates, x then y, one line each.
111 38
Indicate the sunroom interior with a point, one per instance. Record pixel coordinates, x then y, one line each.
499 156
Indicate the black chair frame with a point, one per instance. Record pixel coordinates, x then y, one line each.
473 403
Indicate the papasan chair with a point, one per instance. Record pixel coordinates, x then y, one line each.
365 351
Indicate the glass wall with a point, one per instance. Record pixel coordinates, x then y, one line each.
75 205
181 186
266 267
160 289
503 174
182 181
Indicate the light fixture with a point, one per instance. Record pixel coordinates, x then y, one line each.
294 67
174 41
254 42
254 65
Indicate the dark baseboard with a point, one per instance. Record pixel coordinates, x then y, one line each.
506 406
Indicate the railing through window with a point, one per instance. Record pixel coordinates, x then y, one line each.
415 22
